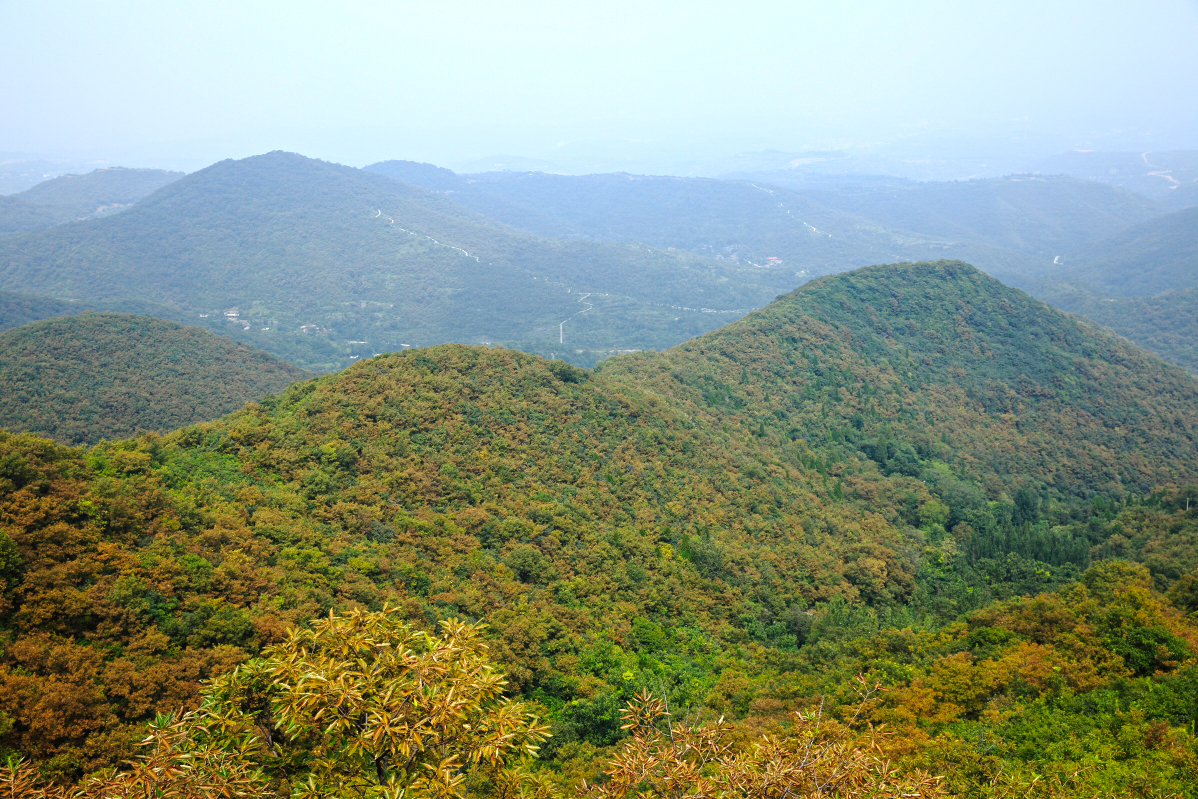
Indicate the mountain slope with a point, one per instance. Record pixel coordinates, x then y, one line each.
1165 324
1149 258
938 362
737 220
290 242
98 192
665 522
1045 215
576 516
83 378
17 216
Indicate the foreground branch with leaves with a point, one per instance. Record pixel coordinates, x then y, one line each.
358 705
816 757
363 705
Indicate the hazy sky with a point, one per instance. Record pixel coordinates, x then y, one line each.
450 81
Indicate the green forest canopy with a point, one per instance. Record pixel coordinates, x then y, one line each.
837 484
84 378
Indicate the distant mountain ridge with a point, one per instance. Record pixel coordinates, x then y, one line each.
1033 231
1169 177
95 192
737 220
71 197
1013 227
285 244
1047 215
1151 257
324 264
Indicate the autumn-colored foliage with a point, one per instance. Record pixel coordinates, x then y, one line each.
688 523
815 757
362 705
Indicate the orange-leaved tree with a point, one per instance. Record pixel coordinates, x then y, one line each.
816 757
358 705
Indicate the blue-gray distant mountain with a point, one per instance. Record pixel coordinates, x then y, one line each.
324 263
70 197
1149 258
17 216
1169 177
1141 282
100 191
1010 227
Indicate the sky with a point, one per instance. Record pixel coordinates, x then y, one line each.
655 86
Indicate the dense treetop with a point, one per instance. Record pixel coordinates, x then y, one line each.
82 378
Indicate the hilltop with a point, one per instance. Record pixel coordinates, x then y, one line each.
305 251
98 192
940 363
888 449
71 197
93 376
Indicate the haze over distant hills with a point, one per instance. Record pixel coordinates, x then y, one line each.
293 248
70 197
1141 282
1151 257
1009 226
1169 177
737 221
1076 243
322 264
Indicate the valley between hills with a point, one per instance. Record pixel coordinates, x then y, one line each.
953 526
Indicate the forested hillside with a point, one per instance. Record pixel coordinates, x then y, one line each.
98 192
734 220
1149 258
1142 282
940 362
1036 214
1165 324
877 473
349 263
85 378
72 197
17 216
